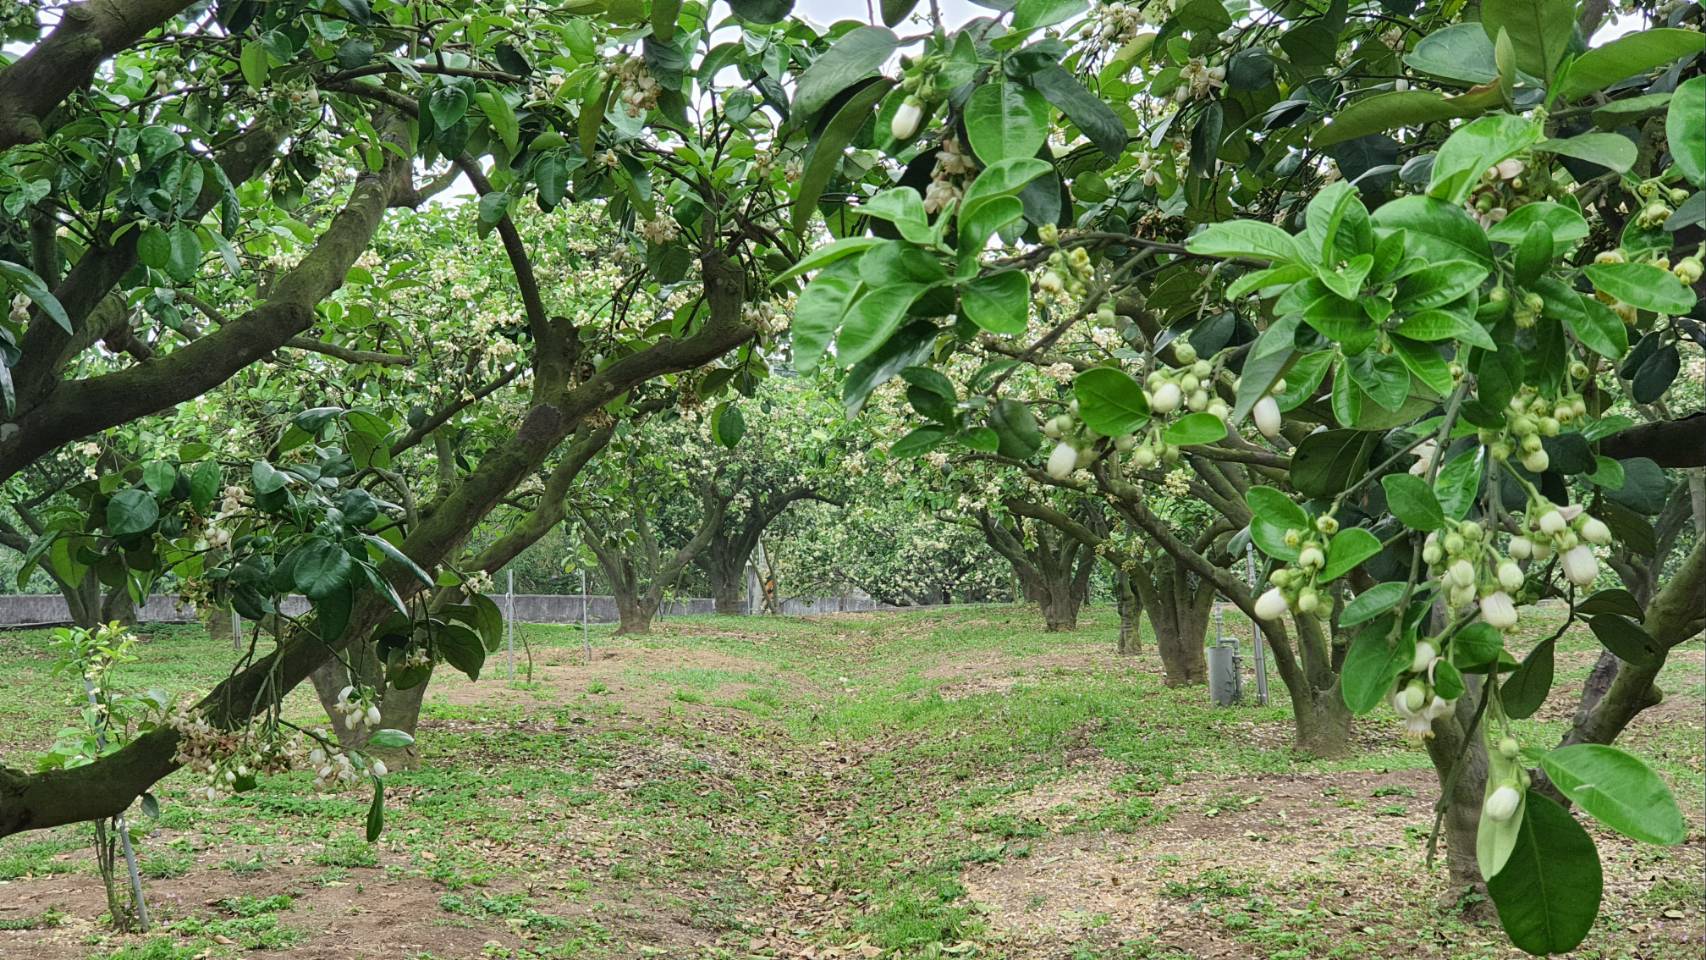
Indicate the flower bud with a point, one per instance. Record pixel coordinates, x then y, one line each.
373 716
378 768
1167 398
1536 461
1184 353
1552 523
1424 657
1311 558
1580 566
1498 610
907 118
1595 531
1271 605
1267 416
1062 460
1510 576
1503 803
1327 524
1308 601
1508 748
1520 548
1462 573
1415 695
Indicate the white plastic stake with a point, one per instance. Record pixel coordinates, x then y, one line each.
1256 633
509 624
586 639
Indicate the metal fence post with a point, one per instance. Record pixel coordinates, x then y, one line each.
1256 633
509 624
586 638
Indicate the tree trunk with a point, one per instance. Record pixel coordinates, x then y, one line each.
1131 611
1059 603
1463 804
634 613
726 572
1323 725
1178 613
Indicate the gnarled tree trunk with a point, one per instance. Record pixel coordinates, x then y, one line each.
1178 603
1130 606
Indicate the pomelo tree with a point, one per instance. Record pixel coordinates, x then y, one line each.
1332 245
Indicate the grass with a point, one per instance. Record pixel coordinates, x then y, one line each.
945 783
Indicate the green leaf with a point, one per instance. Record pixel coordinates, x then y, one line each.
388 739
1375 659
1643 285
903 207
502 116
1539 30
1004 119
1548 892
1685 130
1610 150
1030 14
1626 638
1432 326
824 256
1412 501
204 485
872 319
1372 602
1327 462
448 105
1439 284
1614 600
1015 428
1095 119
824 156
1591 322
1474 147
1628 55
1476 645
1110 402
858 54
159 477
376 812
1458 482
183 260
1434 229
730 425
999 302
1194 429
1567 225
1272 514
894 11
818 312
130 512
461 648
32 287
1400 108
918 442
320 568
1526 688
1619 790
1348 548
255 64
1246 238
1461 52
399 557
1000 179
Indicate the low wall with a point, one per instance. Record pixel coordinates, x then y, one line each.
18 610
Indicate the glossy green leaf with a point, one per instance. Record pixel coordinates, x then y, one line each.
999 302
1619 790
1377 655
1412 501
1549 890
1626 56
1004 120
857 54
1110 402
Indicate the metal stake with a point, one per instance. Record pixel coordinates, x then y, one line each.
586 639
1256 633
120 826
509 624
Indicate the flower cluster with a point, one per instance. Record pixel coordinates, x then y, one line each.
953 165
1534 416
1198 81
1068 272
1295 586
228 760
660 229
357 711
1567 531
1470 569
1506 186
639 89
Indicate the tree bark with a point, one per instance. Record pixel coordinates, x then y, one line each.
1450 745
1178 613
634 613
1130 607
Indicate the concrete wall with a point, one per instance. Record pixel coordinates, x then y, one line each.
35 609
